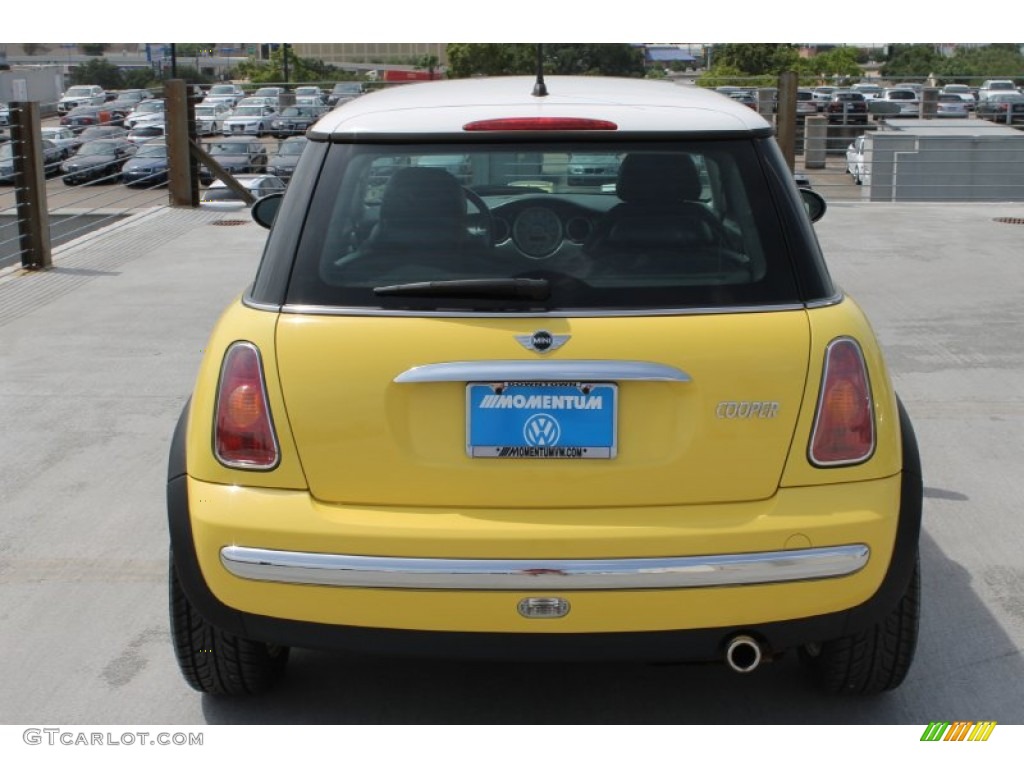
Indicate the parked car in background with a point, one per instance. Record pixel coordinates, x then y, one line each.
993 87
148 166
282 163
235 155
855 164
805 104
210 117
951 105
226 92
822 96
1006 108
219 196
310 92
94 132
65 139
296 120
257 101
81 96
272 93
250 120
145 132
747 98
510 420
588 169
906 98
80 118
99 160
847 107
964 92
868 90
52 157
344 92
5 114
148 111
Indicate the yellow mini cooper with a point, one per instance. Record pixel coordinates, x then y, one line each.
475 404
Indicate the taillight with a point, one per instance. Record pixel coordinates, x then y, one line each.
844 426
243 432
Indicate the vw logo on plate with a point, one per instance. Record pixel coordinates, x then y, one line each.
541 430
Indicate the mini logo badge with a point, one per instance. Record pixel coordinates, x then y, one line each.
542 341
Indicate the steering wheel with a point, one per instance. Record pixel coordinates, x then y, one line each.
483 220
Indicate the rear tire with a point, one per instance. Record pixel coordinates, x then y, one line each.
874 660
218 662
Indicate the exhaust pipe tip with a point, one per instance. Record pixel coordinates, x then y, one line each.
743 654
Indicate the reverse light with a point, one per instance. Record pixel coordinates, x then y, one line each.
844 426
243 432
541 124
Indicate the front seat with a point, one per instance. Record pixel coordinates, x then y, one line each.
660 212
422 217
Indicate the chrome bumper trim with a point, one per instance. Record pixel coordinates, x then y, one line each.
542 370
533 575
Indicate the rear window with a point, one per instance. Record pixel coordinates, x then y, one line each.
523 227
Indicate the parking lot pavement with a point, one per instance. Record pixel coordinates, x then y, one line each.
98 356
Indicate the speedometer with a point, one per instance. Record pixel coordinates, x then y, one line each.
537 232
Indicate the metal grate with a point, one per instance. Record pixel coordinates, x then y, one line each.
1008 220
228 222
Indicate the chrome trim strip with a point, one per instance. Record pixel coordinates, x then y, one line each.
542 370
312 309
831 301
531 575
261 306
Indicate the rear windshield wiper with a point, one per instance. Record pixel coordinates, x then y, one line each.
497 288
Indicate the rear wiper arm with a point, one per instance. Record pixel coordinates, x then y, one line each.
486 288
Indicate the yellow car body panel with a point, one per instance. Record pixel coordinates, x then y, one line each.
864 513
358 431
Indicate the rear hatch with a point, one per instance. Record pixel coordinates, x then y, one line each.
720 432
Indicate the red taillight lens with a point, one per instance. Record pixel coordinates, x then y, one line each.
541 124
243 433
844 427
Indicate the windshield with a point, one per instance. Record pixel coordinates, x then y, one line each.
152 150
228 148
292 147
587 226
97 148
79 90
150 106
248 112
226 90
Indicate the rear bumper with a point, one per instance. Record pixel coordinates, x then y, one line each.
678 614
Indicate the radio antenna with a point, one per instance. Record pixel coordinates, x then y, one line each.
539 89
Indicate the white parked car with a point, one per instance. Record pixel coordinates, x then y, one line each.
951 105
210 117
5 114
907 98
964 92
252 120
63 137
148 111
228 92
81 96
856 165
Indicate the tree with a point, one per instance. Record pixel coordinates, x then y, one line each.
97 72
911 62
299 70
613 59
94 49
31 49
756 58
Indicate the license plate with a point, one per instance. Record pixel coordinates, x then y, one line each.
541 420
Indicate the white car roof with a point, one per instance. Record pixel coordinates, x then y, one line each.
444 107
